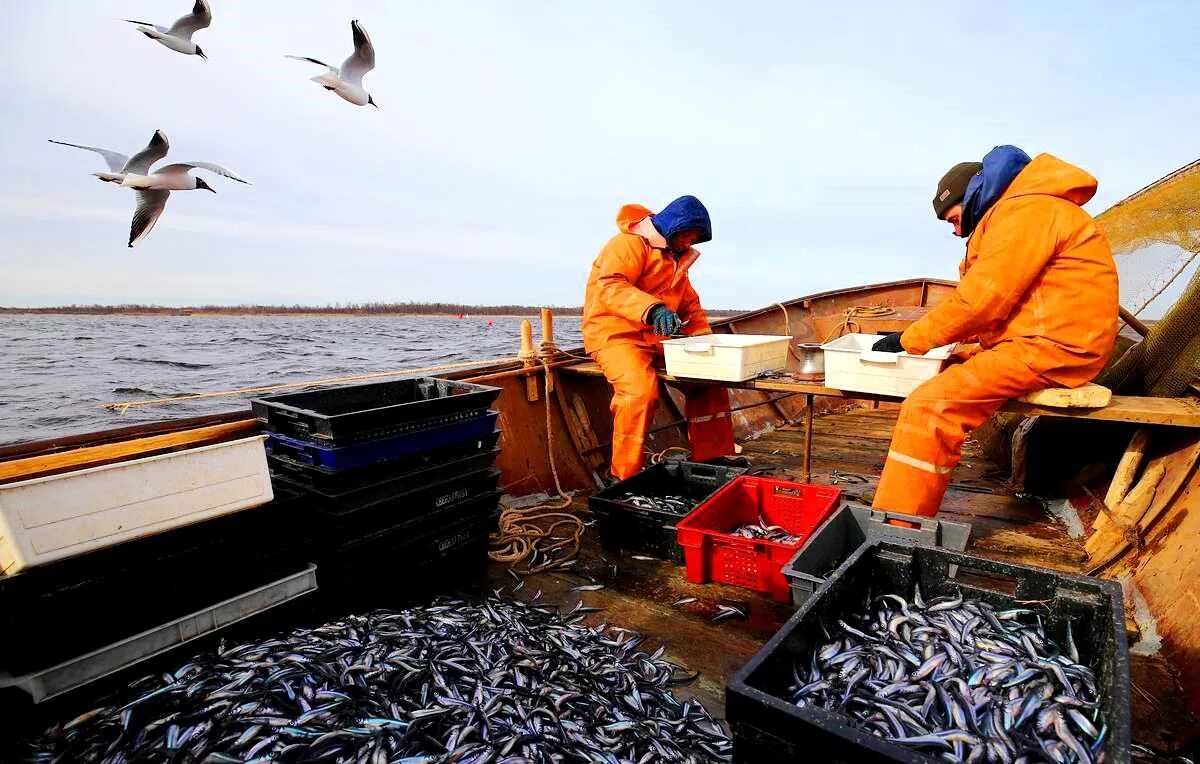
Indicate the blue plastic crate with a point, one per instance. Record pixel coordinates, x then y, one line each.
370 452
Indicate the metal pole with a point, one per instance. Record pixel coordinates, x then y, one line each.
808 435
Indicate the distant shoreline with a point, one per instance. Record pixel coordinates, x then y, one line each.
482 312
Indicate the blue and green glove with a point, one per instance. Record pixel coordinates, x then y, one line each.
664 321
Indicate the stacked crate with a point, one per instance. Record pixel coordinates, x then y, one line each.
138 551
398 478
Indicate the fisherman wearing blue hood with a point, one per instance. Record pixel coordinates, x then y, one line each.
637 294
1038 292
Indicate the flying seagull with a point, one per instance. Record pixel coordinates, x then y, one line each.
153 189
348 81
179 36
138 164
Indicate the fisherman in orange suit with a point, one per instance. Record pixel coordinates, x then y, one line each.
639 293
1038 292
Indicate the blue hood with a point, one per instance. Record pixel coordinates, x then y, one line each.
1001 165
680 215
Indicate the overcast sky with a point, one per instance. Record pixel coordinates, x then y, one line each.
508 134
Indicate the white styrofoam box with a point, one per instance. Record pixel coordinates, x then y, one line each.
850 364
49 518
725 357
97 664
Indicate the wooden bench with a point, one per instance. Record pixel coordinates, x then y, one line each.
1180 412
1177 412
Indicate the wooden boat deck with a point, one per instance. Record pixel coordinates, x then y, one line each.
850 447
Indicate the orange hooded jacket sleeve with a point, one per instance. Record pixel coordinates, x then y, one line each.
1038 273
628 278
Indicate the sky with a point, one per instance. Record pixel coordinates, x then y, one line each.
509 133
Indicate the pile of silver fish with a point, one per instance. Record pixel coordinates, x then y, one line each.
676 505
761 530
957 678
495 680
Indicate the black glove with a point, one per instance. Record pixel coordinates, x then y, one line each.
664 321
889 343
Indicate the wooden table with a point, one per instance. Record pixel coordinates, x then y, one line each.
1176 412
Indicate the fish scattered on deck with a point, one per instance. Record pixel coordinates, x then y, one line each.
493 680
725 611
956 677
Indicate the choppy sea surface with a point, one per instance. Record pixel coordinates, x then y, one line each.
57 371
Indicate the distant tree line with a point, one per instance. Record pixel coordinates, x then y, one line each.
361 309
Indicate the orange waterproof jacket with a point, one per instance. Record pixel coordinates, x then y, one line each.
1038 274
633 273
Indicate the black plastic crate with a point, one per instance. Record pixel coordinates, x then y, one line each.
854 525
337 521
622 525
351 413
373 453
410 559
393 485
325 481
55 612
768 729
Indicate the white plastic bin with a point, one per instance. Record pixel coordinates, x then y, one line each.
725 357
850 364
49 518
77 672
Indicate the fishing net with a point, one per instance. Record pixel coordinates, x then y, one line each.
1168 360
1155 236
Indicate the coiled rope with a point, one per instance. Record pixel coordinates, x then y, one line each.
530 534
851 315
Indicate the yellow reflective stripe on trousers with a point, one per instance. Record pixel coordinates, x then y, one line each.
920 464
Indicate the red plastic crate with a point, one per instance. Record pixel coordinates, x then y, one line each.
712 554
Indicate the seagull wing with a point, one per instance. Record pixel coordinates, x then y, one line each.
150 206
116 161
199 18
363 58
147 24
183 167
156 149
313 61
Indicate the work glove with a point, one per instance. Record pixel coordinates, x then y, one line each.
664 321
889 343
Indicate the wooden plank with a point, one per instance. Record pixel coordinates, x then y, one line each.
1109 541
92 456
1127 469
1178 412
1089 396
130 432
1166 574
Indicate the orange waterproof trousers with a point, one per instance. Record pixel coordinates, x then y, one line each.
630 371
934 422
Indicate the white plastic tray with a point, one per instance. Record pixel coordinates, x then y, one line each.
725 357
77 672
50 518
850 364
